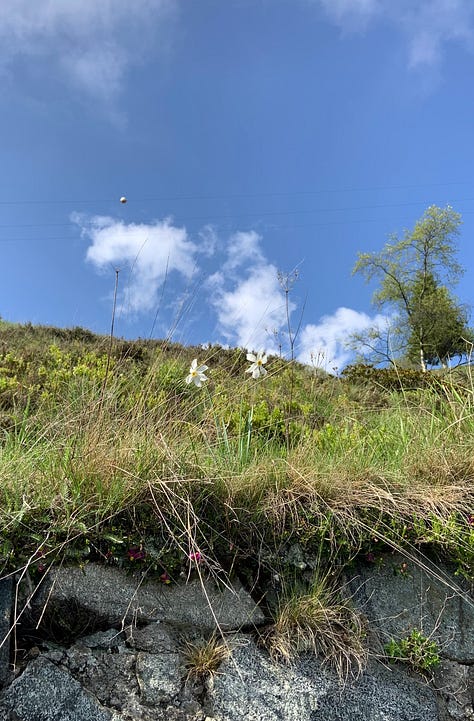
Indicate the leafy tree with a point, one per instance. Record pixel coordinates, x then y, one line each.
438 324
414 275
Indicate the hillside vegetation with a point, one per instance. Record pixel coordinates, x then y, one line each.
103 440
108 454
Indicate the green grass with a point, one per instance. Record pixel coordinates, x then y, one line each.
101 453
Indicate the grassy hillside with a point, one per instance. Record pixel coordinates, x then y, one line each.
107 453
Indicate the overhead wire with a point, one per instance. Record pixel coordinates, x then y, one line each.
241 216
262 214
216 196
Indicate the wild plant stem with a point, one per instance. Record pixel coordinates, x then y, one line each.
111 341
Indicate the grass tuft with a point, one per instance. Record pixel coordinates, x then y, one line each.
202 658
321 622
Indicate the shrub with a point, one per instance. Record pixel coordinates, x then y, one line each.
417 650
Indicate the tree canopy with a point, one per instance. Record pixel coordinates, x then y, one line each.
415 274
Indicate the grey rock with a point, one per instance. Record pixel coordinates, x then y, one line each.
6 590
153 638
106 640
159 677
110 677
295 557
232 608
396 599
455 685
252 688
112 597
46 693
138 684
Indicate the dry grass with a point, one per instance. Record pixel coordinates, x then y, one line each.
202 658
321 622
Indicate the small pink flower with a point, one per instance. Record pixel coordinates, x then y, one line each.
470 519
196 556
164 578
136 553
370 557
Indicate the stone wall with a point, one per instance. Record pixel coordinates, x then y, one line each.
114 646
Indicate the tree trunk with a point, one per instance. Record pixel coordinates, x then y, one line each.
422 360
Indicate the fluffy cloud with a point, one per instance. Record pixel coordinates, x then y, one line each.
247 296
245 293
351 13
323 345
254 308
244 248
93 42
428 25
149 251
250 304
435 23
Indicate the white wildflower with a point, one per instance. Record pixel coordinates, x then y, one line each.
196 374
257 361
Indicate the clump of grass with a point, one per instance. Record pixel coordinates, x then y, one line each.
202 658
319 621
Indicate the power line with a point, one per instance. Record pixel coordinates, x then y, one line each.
269 229
215 196
259 214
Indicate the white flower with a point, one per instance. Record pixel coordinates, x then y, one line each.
196 374
257 361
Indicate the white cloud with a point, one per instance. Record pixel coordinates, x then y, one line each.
323 344
428 25
255 307
208 240
352 14
150 252
93 42
436 23
244 248
247 296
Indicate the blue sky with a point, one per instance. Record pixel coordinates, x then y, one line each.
249 137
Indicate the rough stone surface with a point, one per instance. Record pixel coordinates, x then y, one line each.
5 616
111 596
46 693
399 596
231 608
154 638
110 677
454 683
253 688
159 677
133 668
140 685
